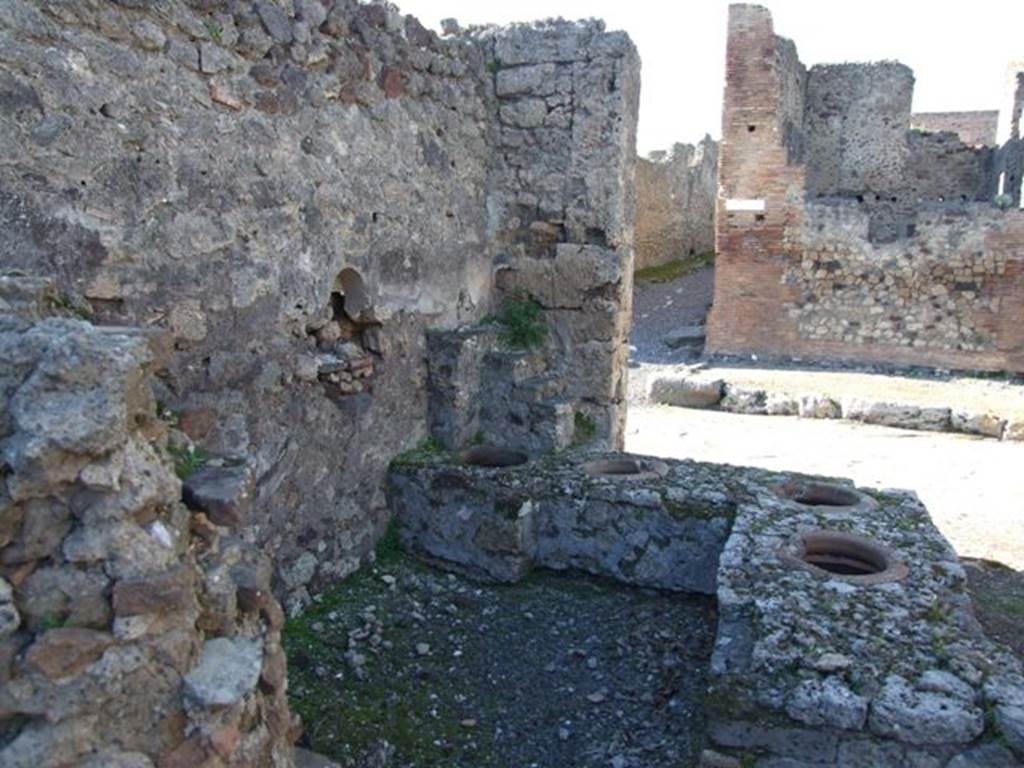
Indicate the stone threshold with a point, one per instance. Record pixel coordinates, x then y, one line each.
699 390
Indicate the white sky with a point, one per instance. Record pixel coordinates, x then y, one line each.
958 52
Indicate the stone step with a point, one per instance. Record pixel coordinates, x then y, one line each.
686 391
687 337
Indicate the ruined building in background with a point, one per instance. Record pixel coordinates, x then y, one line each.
281 199
675 203
844 233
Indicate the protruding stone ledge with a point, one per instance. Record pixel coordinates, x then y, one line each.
639 520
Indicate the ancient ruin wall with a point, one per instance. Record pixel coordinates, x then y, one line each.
949 290
972 128
297 191
856 117
758 172
213 169
562 201
1010 156
846 235
675 203
132 633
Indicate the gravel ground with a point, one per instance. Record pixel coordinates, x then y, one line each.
661 308
998 596
555 671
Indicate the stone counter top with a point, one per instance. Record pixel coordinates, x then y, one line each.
879 664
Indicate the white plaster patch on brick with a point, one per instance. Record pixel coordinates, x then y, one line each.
743 204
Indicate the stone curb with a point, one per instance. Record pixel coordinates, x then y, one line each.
682 392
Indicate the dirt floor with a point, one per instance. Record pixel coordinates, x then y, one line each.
660 308
429 669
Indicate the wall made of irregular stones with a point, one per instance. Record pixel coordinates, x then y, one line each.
296 191
133 634
675 203
1009 169
211 168
856 119
852 237
973 128
952 288
562 201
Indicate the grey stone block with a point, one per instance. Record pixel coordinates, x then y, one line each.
686 392
223 493
817 747
687 337
229 668
915 716
828 702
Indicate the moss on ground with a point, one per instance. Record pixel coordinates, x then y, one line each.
997 593
426 452
460 674
697 511
673 270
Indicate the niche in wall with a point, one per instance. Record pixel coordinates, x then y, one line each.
348 337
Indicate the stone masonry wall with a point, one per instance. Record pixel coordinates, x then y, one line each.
562 200
133 634
1010 157
675 211
973 128
856 119
212 168
953 285
842 234
296 191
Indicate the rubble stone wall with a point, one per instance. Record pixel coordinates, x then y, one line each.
843 234
297 191
563 199
675 211
133 634
974 128
1010 156
856 119
649 529
953 285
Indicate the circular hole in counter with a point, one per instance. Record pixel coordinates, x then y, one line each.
820 495
625 468
848 556
493 456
